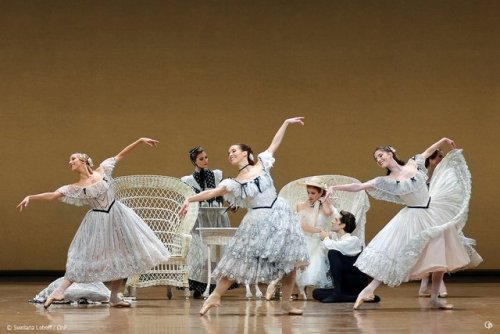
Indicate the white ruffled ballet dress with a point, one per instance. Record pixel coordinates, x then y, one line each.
426 235
112 242
316 273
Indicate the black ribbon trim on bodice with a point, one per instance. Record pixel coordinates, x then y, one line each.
105 211
243 186
420 207
265 207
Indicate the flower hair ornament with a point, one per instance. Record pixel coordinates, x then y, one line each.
390 148
85 158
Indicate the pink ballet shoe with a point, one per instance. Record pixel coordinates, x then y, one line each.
287 307
50 299
271 288
302 293
361 299
212 301
424 293
120 303
438 305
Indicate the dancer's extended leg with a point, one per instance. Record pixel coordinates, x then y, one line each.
424 287
437 277
58 294
367 293
214 299
115 300
287 285
271 288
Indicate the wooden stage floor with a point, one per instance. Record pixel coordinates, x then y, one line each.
477 310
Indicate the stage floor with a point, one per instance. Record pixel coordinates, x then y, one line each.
477 310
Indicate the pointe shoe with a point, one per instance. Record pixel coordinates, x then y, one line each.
424 293
120 303
287 307
270 291
258 293
443 294
50 300
212 301
361 299
438 305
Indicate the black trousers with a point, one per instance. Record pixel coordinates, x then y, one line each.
348 280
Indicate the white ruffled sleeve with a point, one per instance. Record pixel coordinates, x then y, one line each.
420 162
384 190
108 165
234 192
267 159
230 185
71 195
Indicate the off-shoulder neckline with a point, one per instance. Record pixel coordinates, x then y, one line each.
89 185
246 180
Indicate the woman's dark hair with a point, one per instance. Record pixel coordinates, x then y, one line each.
390 149
431 157
193 153
248 149
348 220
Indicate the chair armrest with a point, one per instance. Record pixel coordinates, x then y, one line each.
181 243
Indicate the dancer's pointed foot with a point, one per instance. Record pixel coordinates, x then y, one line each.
424 293
270 291
363 298
116 300
443 293
438 305
258 293
302 293
120 303
287 307
52 298
212 301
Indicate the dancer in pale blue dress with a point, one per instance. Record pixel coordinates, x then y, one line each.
269 243
113 242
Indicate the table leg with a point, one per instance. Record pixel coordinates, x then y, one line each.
209 274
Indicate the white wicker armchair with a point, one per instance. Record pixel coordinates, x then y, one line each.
355 202
157 200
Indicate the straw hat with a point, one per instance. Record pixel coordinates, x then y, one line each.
315 181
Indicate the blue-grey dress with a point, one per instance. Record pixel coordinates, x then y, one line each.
269 241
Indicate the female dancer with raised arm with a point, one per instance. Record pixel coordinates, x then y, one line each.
269 242
423 237
113 242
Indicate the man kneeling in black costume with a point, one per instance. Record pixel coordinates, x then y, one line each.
344 249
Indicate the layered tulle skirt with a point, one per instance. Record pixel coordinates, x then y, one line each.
268 244
316 273
113 245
